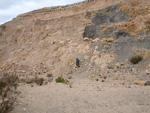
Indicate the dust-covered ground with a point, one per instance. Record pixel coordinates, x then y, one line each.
84 96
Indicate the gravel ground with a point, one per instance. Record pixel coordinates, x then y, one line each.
84 96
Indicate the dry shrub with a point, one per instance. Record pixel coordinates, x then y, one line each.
136 59
39 81
50 75
8 92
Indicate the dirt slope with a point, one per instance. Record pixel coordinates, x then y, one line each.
53 37
103 34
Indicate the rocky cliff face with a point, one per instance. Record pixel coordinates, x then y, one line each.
104 35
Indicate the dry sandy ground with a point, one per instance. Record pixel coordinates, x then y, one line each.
85 96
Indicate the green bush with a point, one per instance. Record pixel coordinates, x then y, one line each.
61 80
136 59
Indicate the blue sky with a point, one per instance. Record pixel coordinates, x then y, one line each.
9 9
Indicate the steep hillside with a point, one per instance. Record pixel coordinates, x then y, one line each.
103 34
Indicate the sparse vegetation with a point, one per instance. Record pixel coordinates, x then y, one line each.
29 81
8 92
136 59
50 75
105 77
61 80
39 81
36 79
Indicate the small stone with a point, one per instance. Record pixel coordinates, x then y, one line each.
138 82
133 70
147 72
70 85
122 64
110 39
70 77
129 86
86 57
116 77
95 40
24 109
118 65
61 42
86 39
110 67
96 47
148 66
147 83
68 39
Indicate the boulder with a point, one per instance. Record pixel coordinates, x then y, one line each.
90 31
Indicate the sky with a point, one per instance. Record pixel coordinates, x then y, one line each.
9 9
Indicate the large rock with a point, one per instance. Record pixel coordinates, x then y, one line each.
90 32
101 19
111 14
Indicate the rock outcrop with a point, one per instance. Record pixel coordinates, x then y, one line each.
104 35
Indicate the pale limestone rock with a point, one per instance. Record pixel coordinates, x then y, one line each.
95 40
86 57
148 66
118 65
96 47
110 39
138 82
95 52
147 72
103 40
61 42
86 39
